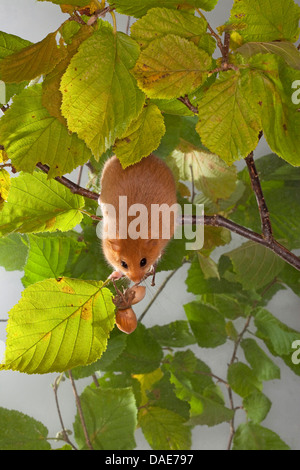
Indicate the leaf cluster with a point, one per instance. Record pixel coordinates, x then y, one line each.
159 89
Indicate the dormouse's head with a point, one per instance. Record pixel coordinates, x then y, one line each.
134 258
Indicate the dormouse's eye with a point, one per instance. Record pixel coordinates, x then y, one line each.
143 262
124 265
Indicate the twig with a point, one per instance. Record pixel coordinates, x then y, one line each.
73 187
76 17
185 100
128 24
163 285
64 432
212 32
262 206
79 175
220 221
226 49
234 357
223 68
193 184
78 404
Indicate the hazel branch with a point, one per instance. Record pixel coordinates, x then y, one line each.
73 187
262 206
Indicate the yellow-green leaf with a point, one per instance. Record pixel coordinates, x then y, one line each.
162 21
4 185
32 61
57 325
229 121
142 137
36 204
30 135
171 67
100 95
210 174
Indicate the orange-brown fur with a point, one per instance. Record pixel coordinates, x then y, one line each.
148 182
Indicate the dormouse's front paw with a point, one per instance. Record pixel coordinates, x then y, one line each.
116 275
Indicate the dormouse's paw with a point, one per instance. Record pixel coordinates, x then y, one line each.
116 275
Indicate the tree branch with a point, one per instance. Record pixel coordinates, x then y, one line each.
185 100
262 206
73 187
220 221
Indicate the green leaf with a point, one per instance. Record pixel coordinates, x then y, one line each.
199 285
171 67
139 8
251 436
284 49
162 393
231 306
257 406
100 95
291 277
242 379
266 21
110 417
280 186
210 174
161 21
32 61
9 43
175 334
115 346
31 135
142 137
263 367
85 266
273 331
141 355
21 432
164 429
193 383
192 379
207 324
213 413
57 325
13 252
36 204
48 257
279 114
254 264
52 96
229 121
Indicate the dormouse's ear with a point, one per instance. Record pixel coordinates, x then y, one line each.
114 244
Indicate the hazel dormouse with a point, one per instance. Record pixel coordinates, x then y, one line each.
138 206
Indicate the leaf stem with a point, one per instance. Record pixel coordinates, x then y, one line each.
114 21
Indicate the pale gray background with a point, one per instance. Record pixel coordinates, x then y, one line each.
34 396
